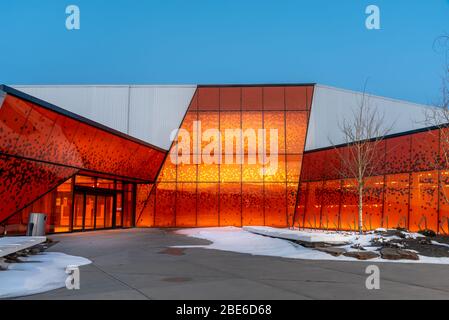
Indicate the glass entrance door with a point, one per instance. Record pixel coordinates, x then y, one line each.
104 212
89 218
78 212
93 211
100 212
108 211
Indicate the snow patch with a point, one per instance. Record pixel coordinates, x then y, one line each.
440 244
9 245
37 274
289 234
239 240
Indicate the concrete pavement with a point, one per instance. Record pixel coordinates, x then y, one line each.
135 264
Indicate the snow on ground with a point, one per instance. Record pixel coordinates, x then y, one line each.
241 241
37 274
289 234
10 245
347 239
440 244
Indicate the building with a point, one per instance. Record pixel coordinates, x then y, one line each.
107 160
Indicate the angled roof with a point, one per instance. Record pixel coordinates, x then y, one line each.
332 105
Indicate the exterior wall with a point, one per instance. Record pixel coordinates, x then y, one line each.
332 105
42 146
56 204
148 113
408 188
32 131
41 149
223 194
145 202
23 181
60 207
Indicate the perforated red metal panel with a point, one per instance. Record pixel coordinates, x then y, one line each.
31 131
404 190
42 146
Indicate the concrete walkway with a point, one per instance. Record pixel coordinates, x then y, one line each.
136 264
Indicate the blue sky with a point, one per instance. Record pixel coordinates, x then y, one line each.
227 41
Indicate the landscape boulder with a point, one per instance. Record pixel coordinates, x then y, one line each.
398 254
428 233
362 255
358 247
336 252
425 241
3 264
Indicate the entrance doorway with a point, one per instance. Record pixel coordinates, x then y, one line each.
95 211
100 203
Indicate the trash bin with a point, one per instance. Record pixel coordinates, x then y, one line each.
36 225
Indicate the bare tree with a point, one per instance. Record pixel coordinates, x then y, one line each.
437 118
363 132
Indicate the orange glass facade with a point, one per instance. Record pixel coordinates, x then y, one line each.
58 203
407 191
82 203
240 128
235 190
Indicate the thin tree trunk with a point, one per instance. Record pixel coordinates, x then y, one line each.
360 208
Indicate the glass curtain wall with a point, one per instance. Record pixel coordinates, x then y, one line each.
254 178
408 191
